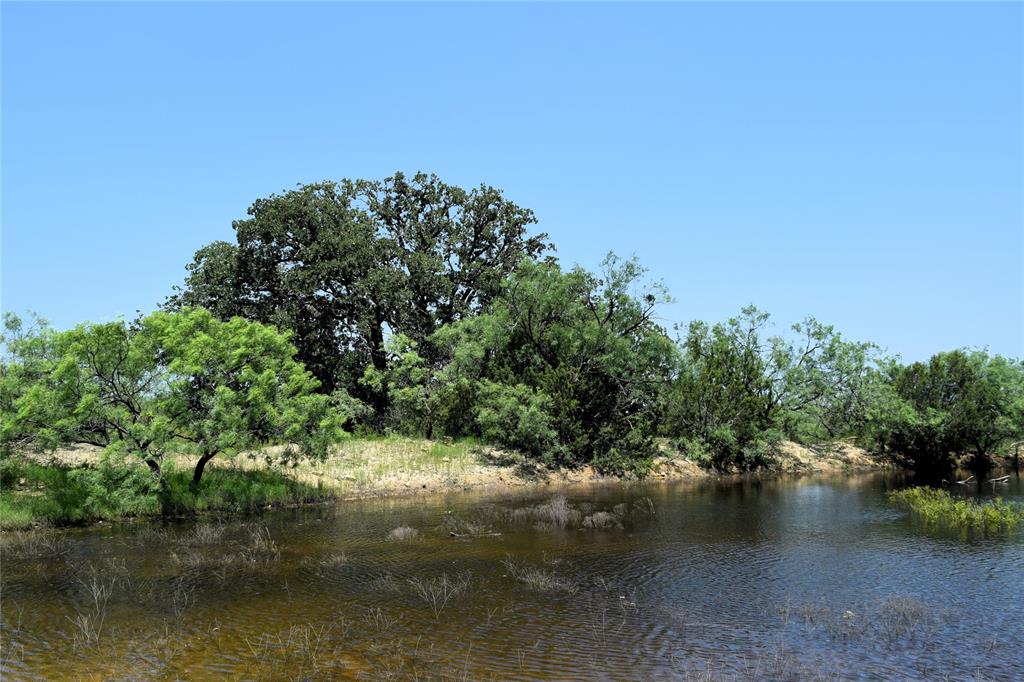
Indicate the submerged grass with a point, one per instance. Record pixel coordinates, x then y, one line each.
536 578
939 507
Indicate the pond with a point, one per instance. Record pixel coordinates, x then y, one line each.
799 578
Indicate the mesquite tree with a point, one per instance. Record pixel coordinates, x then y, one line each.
185 382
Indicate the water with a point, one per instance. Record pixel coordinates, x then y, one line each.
809 578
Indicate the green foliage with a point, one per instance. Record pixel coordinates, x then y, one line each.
939 507
516 417
737 394
410 306
76 495
958 402
563 366
339 264
112 489
183 381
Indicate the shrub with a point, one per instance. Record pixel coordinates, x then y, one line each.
723 450
516 417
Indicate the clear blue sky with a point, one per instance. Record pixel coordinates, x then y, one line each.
861 162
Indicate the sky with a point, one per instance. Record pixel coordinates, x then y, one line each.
861 162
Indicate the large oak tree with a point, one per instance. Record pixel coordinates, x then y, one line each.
344 264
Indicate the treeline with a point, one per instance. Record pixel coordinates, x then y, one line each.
411 306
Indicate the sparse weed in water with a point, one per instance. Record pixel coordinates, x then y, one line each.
601 521
897 618
537 578
34 544
553 514
402 534
438 591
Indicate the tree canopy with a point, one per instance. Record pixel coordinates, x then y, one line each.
564 366
958 402
418 307
345 264
171 382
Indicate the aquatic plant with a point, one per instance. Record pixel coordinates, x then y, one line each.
402 534
205 534
438 591
310 651
601 520
537 578
34 544
96 589
938 506
555 513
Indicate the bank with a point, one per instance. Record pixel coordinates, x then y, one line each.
77 486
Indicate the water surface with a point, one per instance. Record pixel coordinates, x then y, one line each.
808 578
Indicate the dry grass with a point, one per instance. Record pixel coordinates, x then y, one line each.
537 578
34 544
402 534
438 591
553 514
601 521
360 465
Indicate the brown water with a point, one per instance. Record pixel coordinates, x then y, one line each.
810 578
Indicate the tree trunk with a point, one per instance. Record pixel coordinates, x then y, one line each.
379 359
197 475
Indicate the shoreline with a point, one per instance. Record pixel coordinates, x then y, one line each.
361 469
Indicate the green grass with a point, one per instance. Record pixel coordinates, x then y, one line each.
15 514
81 490
939 507
32 493
235 490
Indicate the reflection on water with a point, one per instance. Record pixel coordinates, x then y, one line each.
785 579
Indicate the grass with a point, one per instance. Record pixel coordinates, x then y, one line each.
438 591
536 578
939 507
402 534
84 488
38 494
555 513
76 487
363 463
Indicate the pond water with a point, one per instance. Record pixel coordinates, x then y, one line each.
805 578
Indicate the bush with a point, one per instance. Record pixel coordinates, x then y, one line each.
65 496
515 417
724 451
956 403
11 470
234 491
68 496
